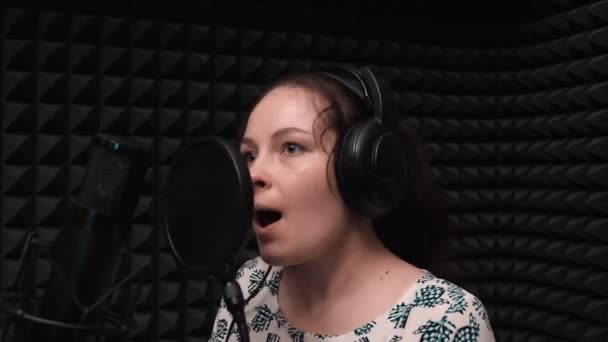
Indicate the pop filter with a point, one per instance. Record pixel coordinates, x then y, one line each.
208 206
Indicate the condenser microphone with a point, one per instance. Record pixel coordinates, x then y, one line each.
86 254
208 211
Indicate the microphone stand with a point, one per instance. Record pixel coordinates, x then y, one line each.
20 301
235 303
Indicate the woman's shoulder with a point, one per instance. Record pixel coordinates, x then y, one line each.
437 302
435 290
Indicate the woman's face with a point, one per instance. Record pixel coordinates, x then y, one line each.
288 164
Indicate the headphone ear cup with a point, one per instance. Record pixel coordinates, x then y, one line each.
348 167
371 168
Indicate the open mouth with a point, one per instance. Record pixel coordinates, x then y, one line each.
266 217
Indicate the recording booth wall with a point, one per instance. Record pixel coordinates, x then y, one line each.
509 96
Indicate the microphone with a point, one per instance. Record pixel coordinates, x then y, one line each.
208 210
86 254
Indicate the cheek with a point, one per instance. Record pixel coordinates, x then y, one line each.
317 190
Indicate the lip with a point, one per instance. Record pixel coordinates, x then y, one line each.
266 232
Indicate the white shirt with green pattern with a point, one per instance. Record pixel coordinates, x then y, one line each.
433 310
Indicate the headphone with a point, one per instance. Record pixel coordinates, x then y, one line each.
370 159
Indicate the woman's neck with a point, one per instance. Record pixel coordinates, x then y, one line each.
359 259
359 276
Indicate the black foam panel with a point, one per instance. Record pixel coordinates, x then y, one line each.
513 118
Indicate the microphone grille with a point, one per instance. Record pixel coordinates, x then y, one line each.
115 171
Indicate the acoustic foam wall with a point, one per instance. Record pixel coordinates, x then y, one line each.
517 137
521 148
553 176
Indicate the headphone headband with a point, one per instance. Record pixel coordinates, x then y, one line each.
362 82
375 92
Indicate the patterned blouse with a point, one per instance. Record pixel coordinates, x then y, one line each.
433 310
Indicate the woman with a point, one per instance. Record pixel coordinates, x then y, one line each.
331 268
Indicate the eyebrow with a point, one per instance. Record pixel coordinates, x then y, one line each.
277 134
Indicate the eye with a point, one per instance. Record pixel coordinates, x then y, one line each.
292 148
248 156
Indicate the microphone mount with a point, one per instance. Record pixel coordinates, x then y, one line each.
235 303
20 303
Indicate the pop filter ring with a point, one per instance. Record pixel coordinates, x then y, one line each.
245 201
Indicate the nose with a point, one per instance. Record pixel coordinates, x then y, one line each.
260 177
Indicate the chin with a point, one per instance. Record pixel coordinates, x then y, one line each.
275 255
281 256
274 258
